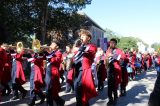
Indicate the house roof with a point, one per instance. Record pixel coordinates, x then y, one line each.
91 20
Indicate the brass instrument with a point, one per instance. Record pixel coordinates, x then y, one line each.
19 47
68 62
36 45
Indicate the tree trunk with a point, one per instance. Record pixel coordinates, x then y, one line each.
44 20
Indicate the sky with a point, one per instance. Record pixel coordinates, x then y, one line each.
139 18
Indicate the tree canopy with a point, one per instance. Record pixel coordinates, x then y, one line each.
156 46
21 18
124 42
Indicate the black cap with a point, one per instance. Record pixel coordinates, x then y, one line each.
114 40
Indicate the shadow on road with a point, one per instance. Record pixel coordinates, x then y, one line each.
137 94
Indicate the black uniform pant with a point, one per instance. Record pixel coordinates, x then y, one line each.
123 85
100 81
6 87
17 87
112 89
78 89
100 84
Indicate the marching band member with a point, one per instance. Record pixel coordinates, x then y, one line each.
36 76
3 59
84 84
114 74
101 69
52 75
123 63
6 74
67 61
17 74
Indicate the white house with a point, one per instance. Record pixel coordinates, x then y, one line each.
97 32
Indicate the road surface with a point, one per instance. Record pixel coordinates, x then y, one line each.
138 92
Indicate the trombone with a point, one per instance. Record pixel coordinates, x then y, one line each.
20 47
36 46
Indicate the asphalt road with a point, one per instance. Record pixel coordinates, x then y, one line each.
138 92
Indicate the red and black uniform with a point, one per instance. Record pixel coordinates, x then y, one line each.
17 75
114 73
123 62
133 60
53 78
6 75
84 83
101 73
69 71
70 77
36 78
61 72
143 61
3 59
149 61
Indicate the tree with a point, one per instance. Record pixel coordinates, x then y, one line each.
25 17
127 43
124 42
156 46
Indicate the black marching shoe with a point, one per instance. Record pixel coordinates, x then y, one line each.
42 97
62 80
24 94
42 100
110 103
32 103
8 93
4 93
123 93
61 102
